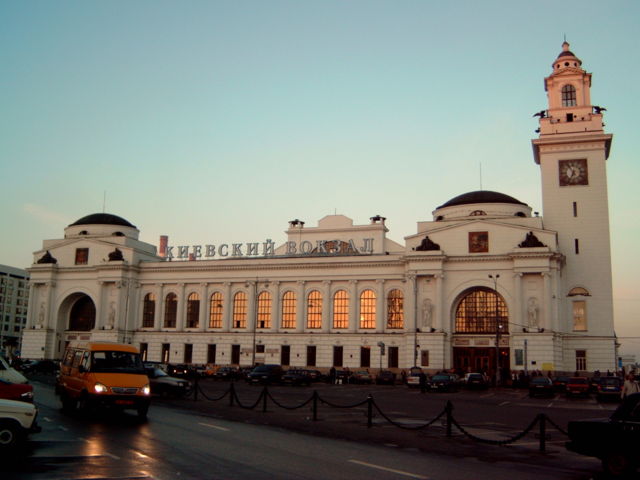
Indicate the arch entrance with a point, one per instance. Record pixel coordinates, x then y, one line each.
76 315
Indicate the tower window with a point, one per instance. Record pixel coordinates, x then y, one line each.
568 96
576 245
575 209
82 256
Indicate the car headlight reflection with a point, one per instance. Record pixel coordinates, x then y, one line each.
146 390
100 388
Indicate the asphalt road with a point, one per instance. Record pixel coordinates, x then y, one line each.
184 439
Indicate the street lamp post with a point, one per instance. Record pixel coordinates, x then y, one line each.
498 326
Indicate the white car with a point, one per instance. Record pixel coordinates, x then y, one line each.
17 420
10 374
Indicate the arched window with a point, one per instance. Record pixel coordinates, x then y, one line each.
341 309
240 310
289 310
479 312
314 309
264 310
193 310
83 315
578 291
148 310
395 309
215 310
368 309
170 310
568 96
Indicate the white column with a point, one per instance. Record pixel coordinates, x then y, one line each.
546 280
227 307
158 318
203 318
518 314
440 319
326 307
181 307
354 306
275 308
381 313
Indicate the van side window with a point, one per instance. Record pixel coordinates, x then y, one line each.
68 358
86 360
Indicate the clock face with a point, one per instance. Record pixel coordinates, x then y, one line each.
573 172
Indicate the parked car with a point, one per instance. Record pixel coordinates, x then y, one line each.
296 377
343 376
609 388
443 382
227 373
541 386
476 381
9 373
17 420
41 366
16 391
316 375
265 374
413 379
164 384
577 386
179 370
614 441
385 377
560 383
361 377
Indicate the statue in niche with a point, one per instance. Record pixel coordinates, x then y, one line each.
531 241
427 311
111 319
47 258
116 256
426 245
532 312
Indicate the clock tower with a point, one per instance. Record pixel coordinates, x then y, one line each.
572 151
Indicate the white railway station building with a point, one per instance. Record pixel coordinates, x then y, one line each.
484 282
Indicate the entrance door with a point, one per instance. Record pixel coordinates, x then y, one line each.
471 359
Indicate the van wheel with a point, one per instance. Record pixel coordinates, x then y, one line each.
617 464
68 404
10 435
142 412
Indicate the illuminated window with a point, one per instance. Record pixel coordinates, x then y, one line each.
289 310
581 360
368 309
240 310
314 309
148 310
579 316
193 310
568 96
340 309
215 310
170 310
395 309
479 311
579 291
264 310
82 256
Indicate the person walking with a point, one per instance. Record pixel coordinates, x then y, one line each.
630 386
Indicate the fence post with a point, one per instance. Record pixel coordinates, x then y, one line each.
543 431
449 409
315 406
369 411
232 393
264 399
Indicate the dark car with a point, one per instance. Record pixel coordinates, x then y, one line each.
296 377
614 440
361 377
265 374
560 383
541 386
609 388
316 375
443 383
227 373
577 386
163 384
40 366
385 377
476 381
179 370
16 391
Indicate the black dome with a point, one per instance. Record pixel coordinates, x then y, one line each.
567 53
481 196
102 219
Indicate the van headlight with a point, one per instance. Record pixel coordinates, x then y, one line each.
146 390
100 388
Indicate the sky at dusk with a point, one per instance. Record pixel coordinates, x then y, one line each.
220 121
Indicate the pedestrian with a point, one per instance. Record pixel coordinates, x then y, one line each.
332 375
423 382
630 386
403 374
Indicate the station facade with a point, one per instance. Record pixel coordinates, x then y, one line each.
483 285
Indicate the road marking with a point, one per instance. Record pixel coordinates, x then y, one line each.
214 426
550 405
46 419
115 457
503 404
386 469
64 429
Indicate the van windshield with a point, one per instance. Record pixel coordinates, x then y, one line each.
117 362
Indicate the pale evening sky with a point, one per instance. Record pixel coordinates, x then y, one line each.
220 121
